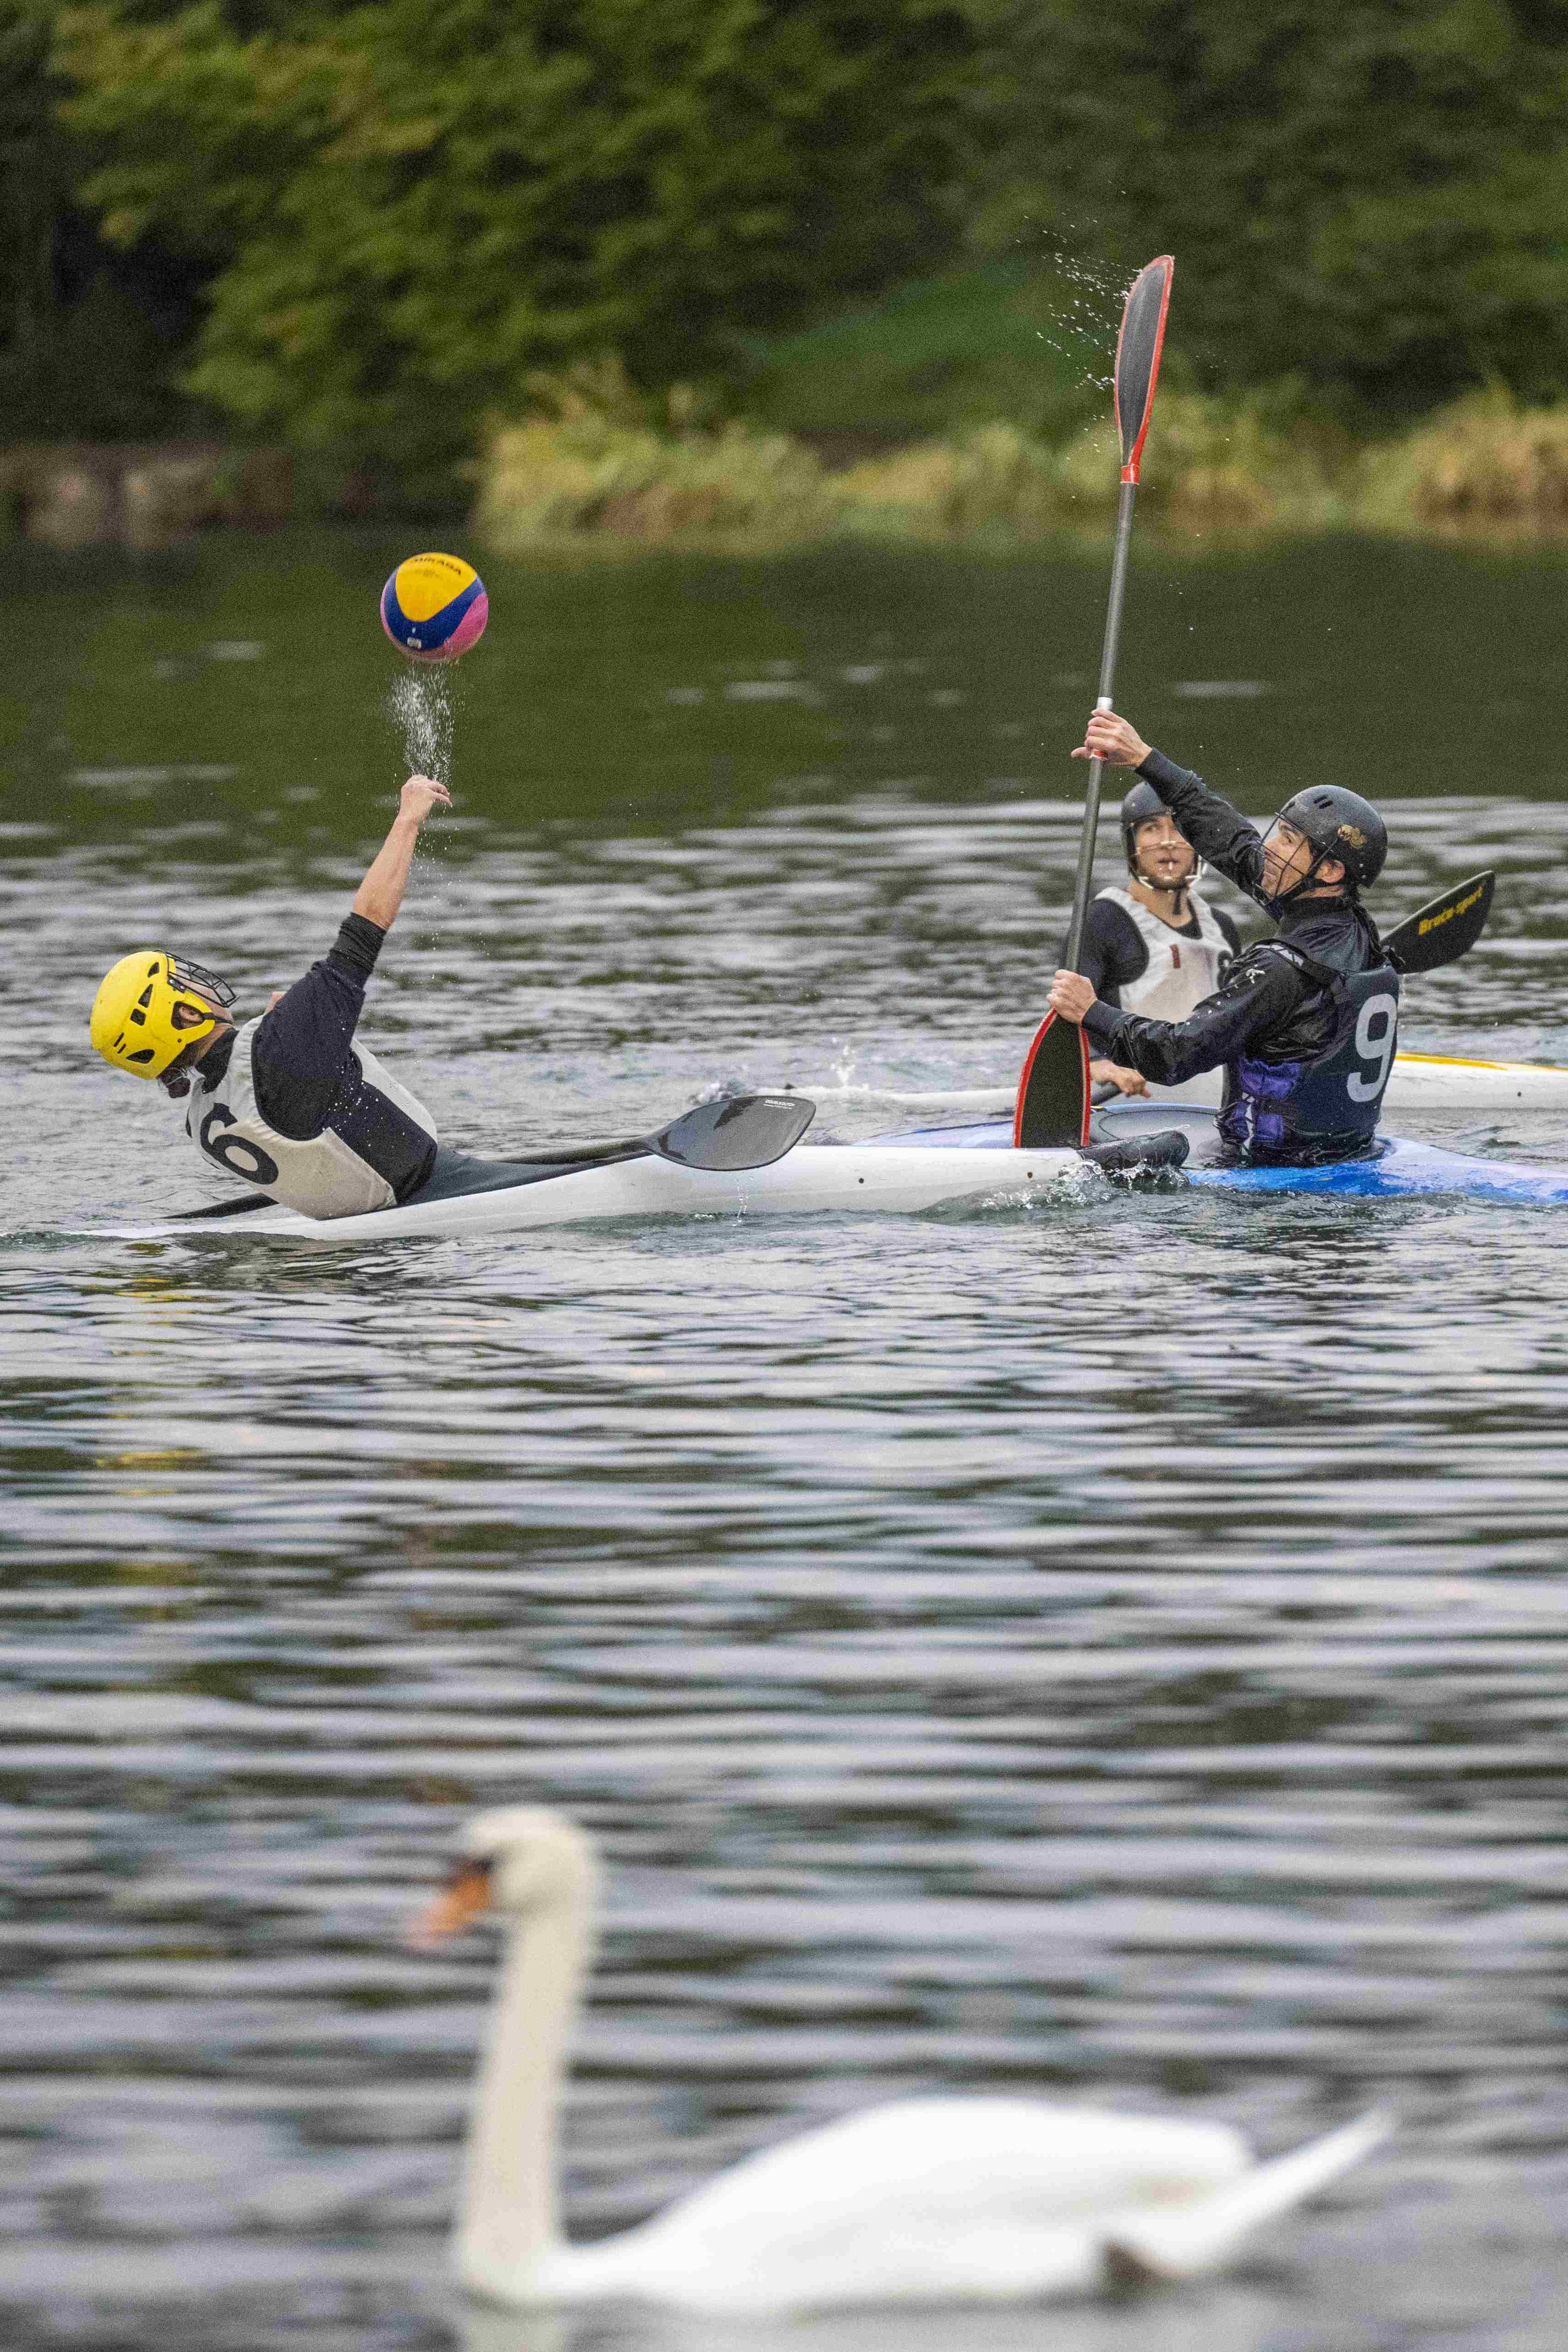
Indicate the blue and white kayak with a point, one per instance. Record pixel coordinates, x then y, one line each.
1399 1168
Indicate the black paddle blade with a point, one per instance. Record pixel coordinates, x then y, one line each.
1440 931
1138 348
1053 1093
742 1131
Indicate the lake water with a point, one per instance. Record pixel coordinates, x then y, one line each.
1115 1646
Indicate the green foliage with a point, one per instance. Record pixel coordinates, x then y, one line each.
364 228
82 345
1482 464
994 484
406 207
607 472
1370 196
1264 459
973 346
556 478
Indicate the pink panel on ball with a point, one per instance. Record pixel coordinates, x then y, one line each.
470 629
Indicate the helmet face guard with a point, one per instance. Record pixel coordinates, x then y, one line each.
1336 824
186 974
151 1008
1141 805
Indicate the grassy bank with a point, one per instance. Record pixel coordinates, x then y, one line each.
1212 466
605 473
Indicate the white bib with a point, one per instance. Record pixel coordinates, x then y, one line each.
1179 972
322 1177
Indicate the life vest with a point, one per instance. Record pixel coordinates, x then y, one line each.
1179 972
1320 1102
375 1146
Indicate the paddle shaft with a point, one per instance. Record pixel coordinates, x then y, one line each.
1104 702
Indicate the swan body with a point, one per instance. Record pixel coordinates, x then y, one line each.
920 2200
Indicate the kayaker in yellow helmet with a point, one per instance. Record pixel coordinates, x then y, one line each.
288 1102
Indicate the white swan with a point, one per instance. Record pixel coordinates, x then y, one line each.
960 2199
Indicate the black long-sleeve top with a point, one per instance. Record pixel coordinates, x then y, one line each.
300 1051
1266 997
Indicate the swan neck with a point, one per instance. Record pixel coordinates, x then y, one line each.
511 2214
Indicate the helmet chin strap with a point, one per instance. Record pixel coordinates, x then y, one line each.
1289 897
1176 891
1344 889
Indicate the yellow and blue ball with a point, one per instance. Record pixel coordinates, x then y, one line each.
434 607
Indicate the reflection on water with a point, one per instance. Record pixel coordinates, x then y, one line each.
1112 1646
1231 2320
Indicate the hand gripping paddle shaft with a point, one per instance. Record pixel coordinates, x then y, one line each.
1137 349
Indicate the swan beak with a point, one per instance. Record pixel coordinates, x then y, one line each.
466 1894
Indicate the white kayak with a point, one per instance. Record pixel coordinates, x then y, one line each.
1434 1082
812 1179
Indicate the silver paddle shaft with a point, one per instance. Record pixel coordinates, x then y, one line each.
1104 702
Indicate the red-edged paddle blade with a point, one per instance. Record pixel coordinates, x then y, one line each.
1053 1093
1137 349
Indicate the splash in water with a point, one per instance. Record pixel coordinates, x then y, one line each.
423 707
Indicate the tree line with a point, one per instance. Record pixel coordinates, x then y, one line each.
360 229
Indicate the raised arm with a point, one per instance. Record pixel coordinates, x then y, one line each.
380 895
1222 837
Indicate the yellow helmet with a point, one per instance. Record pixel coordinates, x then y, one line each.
150 1006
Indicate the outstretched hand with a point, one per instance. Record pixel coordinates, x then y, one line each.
420 796
1112 740
380 895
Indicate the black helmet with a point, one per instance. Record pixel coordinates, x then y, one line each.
1342 826
1142 803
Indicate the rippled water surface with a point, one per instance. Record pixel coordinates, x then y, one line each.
1115 1646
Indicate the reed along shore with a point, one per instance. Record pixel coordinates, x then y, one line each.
1483 466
